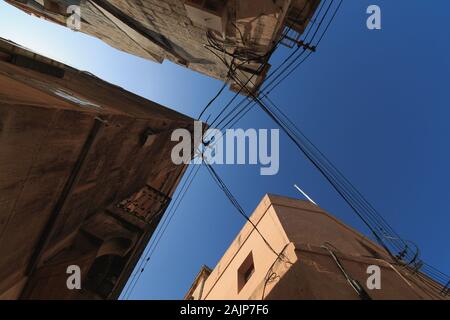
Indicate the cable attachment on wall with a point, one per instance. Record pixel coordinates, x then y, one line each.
306 46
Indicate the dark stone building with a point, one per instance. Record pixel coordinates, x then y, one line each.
86 175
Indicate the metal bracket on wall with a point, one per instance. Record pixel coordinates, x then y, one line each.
146 204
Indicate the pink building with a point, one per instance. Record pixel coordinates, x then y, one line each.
299 251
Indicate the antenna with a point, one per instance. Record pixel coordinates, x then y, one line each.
304 193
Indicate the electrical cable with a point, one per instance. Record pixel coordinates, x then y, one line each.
345 195
348 191
236 204
385 246
161 231
330 20
351 196
133 284
329 23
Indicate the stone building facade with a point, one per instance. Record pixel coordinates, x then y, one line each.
86 175
213 37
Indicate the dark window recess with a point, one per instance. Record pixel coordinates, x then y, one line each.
245 271
38 66
104 273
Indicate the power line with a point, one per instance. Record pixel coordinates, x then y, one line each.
315 33
321 37
213 99
295 54
350 196
373 220
274 47
348 192
359 289
368 206
316 45
161 231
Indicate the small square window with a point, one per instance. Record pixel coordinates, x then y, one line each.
245 271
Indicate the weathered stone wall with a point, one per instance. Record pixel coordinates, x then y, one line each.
164 29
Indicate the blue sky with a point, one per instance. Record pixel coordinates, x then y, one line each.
377 103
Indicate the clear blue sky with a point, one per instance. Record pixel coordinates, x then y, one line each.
377 103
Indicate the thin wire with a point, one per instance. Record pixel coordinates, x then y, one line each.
321 37
348 201
353 283
270 270
274 73
341 192
236 204
161 230
365 205
262 66
353 189
212 100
